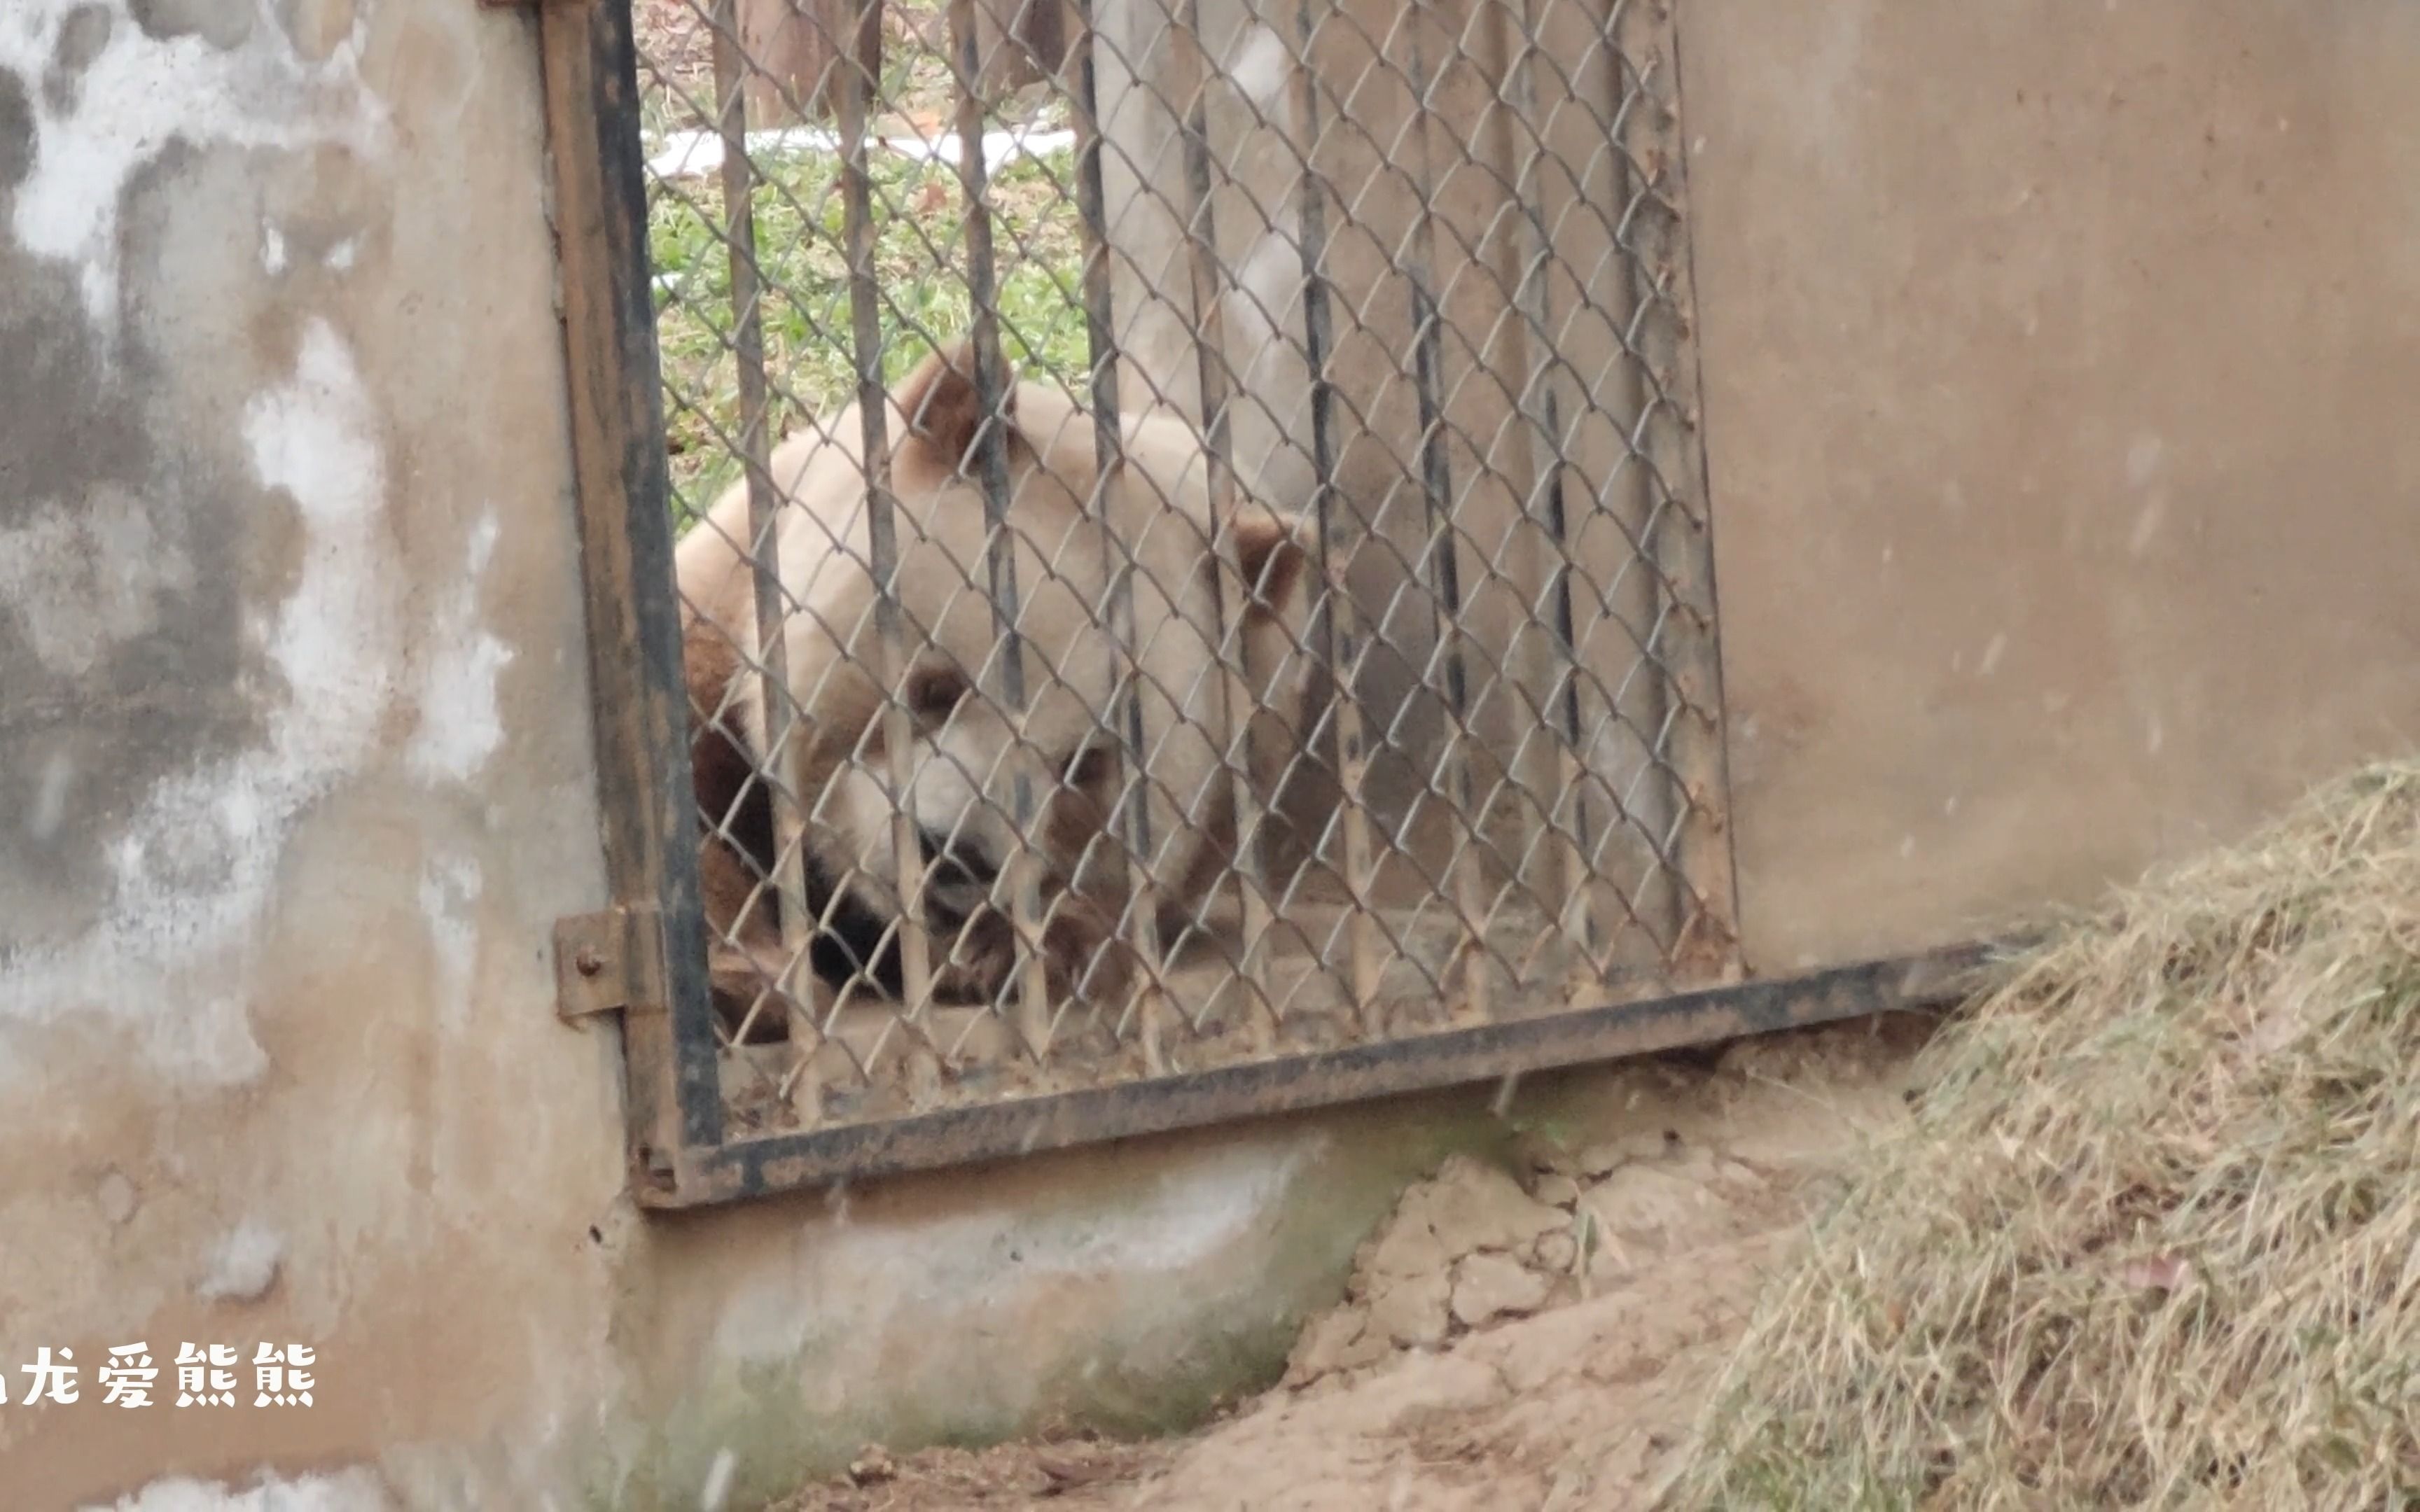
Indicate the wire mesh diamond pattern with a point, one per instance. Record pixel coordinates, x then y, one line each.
1191 538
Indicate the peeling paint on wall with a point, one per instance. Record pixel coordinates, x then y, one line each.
242 1265
192 878
132 93
460 727
449 892
50 796
79 578
346 1491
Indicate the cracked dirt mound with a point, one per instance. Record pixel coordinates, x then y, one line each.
1539 1334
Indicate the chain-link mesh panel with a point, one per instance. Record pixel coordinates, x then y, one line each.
1357 684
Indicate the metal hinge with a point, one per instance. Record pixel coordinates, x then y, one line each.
608 962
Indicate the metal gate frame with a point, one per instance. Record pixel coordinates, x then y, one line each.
643 960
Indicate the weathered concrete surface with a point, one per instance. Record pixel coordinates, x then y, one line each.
295 752
294 740
2058 364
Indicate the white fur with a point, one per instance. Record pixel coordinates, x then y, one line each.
965 772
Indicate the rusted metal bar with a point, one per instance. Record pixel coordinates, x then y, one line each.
861 73
1478 1054
1213 365
1507 352
784 751
1705 905
1338 628
648 809
1022 872
1633 697
1444 549
1541 404
1101 346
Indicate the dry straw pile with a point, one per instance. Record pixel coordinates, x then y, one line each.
2154 1238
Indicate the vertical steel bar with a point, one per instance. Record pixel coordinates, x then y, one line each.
1515 774
1101 346
991 469
1705 904
1625 497
785 736
1339 631
1542 401
1507 352
860 69
1444 553
1212 367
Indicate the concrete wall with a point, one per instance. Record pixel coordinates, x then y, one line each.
294 742
2060 363
295 749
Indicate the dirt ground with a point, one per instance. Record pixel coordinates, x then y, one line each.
1540 1341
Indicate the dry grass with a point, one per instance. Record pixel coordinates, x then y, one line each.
2154 1236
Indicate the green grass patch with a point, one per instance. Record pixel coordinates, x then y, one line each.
921 272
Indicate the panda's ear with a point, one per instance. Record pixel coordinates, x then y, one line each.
946 414
1273 548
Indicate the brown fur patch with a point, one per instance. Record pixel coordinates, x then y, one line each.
743 947
1081 953
1271 551
946 415
735 844
739 971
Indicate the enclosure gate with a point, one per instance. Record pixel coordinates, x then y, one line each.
1412 275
